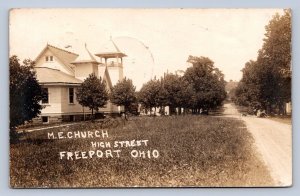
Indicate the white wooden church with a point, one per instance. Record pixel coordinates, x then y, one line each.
60 72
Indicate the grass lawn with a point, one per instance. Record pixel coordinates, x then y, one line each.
193 151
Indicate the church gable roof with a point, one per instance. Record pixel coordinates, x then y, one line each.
64 56
47 75
85 57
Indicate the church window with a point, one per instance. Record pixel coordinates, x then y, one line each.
49 58
45 96
71 95
45 119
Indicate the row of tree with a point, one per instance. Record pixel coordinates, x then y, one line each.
266 82
201 88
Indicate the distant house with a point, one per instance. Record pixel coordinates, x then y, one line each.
60 72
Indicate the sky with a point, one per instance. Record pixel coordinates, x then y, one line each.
155 40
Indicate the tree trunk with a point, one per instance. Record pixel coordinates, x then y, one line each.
125 113
281 108
162 111
284 108
92 114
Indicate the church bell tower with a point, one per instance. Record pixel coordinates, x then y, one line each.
112 58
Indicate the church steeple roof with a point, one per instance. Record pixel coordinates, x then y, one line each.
85 57
110 50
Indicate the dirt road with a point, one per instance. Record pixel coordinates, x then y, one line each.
273 141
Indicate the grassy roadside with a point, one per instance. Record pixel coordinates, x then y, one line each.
284 119
194 151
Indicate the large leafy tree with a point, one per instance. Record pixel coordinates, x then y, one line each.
25 93
185 97
171 86
274 62
266 82
123 94
248 91
149 95
176 92
276 49
207 81
92 93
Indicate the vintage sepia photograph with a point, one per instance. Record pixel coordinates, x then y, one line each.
109 98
